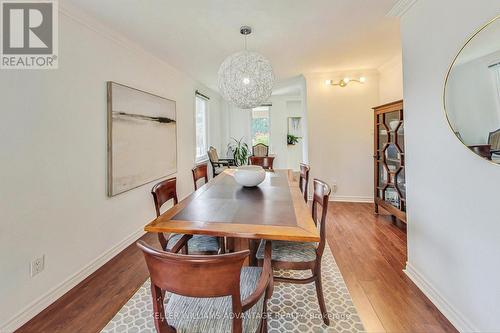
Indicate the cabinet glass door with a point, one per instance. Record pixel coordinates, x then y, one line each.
390 159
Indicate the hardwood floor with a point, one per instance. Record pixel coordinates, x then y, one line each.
371 254
369 249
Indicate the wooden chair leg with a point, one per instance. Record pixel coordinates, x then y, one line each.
268 295
319 293
160 321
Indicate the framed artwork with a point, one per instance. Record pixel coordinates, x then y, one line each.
142 138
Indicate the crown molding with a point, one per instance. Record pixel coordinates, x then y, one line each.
400 8
88 21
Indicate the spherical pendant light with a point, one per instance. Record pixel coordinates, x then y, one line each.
246 78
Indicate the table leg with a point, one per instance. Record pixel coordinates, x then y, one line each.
230 244
253 247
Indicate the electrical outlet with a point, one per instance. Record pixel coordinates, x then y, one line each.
334 187
37 265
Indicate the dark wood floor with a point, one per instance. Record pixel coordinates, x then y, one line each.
370 251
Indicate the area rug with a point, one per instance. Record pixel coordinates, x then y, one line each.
293 308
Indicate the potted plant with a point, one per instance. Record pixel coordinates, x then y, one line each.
292 139
240 150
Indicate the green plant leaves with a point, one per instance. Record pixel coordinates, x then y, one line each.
292 139
241 151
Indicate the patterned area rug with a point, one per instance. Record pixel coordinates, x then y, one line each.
293 308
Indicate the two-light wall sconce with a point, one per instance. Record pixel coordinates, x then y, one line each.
345 81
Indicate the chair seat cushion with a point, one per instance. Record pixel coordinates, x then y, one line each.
198 243
289 251
213 315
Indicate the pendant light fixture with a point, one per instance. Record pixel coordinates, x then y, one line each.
246 78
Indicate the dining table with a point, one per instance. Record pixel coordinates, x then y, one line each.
273 210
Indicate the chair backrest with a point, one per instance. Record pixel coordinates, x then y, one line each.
482 150
304 179
180 274
212 154
320 199
494 140
164 191
260 150
264 162
200 172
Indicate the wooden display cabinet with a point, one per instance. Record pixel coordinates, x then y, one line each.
389 160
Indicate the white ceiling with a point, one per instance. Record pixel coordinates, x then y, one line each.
297 36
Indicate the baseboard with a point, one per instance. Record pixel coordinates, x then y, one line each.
346 198
50 297
453 315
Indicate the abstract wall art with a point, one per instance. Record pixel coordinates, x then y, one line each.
142 138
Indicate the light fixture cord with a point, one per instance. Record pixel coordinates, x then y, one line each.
246 43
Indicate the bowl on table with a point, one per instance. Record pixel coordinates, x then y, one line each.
249 175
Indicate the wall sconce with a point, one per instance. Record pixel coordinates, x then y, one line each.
345 81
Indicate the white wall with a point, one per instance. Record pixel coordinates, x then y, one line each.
454 226
340 124
391 80
287 157
53 172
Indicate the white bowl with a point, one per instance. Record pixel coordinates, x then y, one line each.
249 175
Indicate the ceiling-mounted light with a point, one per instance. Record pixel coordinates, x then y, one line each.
345 81
246 78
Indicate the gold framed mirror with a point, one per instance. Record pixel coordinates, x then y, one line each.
472 93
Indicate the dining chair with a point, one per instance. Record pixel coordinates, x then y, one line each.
494 141
260 150
163 192
264 162
304 256
198 285
201 172
219 164
304 179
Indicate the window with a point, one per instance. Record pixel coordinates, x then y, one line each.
201 118
260 125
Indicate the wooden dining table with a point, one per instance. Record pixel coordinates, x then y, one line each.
274 210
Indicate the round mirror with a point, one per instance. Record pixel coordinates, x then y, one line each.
472 93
